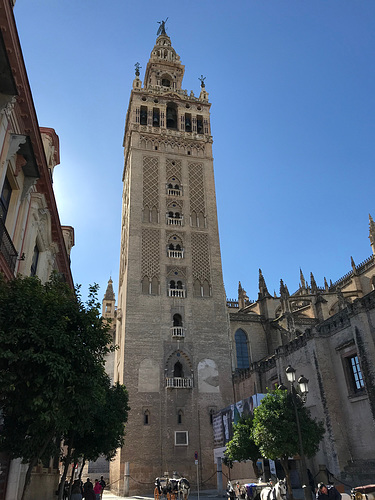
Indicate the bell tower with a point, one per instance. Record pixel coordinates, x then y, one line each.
172 324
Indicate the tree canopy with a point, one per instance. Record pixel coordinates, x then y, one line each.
275 428
52 375
242 446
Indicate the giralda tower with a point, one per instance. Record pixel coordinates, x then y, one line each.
172 325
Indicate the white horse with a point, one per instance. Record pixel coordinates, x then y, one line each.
183 488
278 492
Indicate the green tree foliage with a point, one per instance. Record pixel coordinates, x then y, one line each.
242 446
52 356
275 429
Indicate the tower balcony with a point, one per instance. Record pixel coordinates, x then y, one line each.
174 192
178 332
175 221
179 382
176 292
176 254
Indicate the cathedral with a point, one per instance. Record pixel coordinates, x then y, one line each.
185 352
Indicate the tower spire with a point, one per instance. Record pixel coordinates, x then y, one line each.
302 279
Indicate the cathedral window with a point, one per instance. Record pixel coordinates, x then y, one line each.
242 350
165 82
177 328
155 117
199 124
143 115
188 127
176 289
172 116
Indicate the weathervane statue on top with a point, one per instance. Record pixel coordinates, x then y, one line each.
161 30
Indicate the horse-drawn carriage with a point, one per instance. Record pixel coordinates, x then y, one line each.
171 488
363 492
257 491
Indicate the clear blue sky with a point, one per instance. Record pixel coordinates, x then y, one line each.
292 86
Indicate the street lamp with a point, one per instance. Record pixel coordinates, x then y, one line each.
304 389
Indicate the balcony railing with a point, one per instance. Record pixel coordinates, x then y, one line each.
176 254
173 221
174 192
179 383
7 249
176 292
178 331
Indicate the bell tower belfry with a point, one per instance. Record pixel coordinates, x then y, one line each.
172 324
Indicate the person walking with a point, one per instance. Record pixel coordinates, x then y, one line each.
97 489
89 493
76 490
103 484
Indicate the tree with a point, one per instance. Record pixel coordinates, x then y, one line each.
52 355
275 429
242 446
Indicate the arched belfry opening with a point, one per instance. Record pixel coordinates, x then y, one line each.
172 115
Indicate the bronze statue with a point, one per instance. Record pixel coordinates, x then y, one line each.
161 30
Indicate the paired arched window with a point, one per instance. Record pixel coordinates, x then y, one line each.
242 350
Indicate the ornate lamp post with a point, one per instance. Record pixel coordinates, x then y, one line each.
304 389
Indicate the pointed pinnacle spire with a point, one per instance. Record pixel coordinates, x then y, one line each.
372 233
325 284
263 291
302 279
314 287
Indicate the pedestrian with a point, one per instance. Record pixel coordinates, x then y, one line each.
103 484
97 489
89 494
76 490
327 492
86 486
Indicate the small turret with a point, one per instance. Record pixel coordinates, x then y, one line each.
243 299
325 284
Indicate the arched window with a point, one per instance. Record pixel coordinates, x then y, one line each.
242 350
154 286
178 371
171 115
177 320
172 284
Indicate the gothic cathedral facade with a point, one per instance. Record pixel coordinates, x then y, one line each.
172 324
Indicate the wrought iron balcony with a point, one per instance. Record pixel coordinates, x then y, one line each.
178 331
7 249
179 383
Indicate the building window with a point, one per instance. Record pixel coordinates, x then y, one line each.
356 373
155 117
34 262
199 124
179 417
143 115
6 194
181 438
242 350
171 116
146 417
188 122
